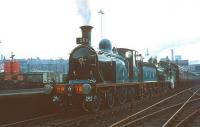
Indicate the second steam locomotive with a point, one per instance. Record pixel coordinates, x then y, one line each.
108 76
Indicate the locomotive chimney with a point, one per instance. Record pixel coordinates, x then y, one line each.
86 35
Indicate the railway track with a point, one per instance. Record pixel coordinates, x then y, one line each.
182 112
93 119
172 111
59 120
45 120
69 120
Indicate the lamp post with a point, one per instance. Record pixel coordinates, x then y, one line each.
0 53
101 12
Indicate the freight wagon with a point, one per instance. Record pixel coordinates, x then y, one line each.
12 78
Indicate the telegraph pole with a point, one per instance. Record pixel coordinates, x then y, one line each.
101 12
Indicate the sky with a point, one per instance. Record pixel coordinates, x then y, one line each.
48 28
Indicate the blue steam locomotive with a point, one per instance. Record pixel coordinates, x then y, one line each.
109 76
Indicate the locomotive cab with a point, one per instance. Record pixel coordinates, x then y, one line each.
133 66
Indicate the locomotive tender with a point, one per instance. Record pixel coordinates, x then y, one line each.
109 76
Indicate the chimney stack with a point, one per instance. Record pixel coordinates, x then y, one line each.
86 35
172 53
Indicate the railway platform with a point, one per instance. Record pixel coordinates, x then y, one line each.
19 92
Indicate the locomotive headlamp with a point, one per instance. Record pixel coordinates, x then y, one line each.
82 88
87 88
60 89
78 89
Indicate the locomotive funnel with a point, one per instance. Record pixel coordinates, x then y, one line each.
86 34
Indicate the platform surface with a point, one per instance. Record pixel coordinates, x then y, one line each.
32 91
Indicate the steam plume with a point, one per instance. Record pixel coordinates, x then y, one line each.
84 10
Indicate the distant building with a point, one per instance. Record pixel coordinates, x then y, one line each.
182 62
178 57
41 65
2 57
48 65
1 65
165 59
195 68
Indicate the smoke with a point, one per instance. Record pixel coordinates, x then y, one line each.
84 10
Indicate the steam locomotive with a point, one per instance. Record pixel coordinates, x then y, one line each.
108 76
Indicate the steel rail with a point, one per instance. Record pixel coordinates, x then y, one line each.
127 118
67 122
88 117
156 112
193 92
72 121
177 112
182 122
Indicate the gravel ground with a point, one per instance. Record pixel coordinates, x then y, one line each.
20 108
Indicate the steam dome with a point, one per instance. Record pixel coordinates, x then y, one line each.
105 45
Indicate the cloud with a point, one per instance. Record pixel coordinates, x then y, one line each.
178 45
